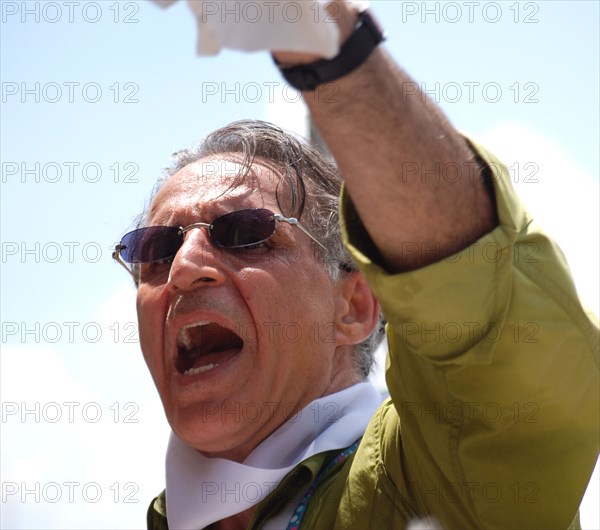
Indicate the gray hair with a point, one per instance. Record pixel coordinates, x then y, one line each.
313 189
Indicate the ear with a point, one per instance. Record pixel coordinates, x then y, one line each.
357 309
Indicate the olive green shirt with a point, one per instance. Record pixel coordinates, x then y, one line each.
492 420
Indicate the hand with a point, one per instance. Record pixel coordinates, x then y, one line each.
341 12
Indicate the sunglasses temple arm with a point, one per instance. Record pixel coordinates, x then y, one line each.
117 257
294 221
310 235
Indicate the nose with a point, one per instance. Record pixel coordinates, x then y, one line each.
196 262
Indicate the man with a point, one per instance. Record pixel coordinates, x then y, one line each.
258 329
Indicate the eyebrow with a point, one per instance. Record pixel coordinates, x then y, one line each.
209 211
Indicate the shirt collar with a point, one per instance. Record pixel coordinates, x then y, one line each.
203 490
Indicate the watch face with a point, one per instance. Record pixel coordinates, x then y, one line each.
372 24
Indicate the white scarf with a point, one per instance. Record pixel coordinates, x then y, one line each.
203 490
263 25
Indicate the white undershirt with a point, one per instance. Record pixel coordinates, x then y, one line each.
203 490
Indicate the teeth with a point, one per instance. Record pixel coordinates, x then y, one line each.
200 369
184 339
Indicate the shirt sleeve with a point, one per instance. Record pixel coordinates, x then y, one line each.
493 373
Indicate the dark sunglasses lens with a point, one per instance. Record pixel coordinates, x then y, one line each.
153 243
242 228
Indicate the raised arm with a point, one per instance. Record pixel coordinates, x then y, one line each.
493 365
411 176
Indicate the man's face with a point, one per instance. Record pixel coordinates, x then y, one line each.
236 341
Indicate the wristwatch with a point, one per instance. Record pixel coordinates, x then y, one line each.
364 39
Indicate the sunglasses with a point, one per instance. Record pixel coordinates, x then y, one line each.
235 230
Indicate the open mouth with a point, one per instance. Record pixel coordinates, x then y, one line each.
202 346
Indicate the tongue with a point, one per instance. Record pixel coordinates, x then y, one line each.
213 344
214 357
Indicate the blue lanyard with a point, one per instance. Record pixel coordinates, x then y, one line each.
300 510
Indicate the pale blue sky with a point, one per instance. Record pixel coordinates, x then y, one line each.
552 62
547 71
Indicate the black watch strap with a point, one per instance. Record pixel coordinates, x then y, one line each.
357 48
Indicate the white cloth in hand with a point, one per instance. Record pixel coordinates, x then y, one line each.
251 25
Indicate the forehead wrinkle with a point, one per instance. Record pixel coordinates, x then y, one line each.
190 192
262 174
